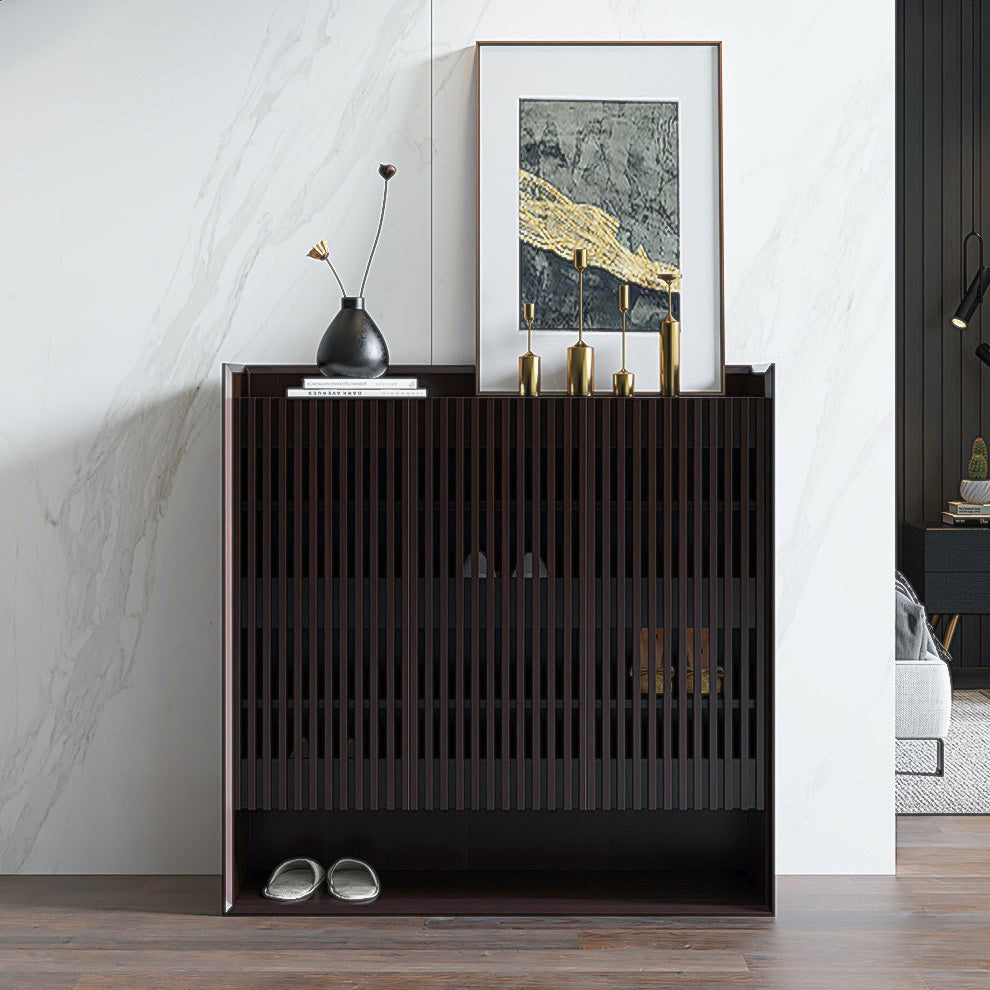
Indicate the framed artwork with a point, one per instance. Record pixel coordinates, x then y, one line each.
615 148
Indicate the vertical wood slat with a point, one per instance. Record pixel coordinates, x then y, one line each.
390 580
475 627
266 606
343 656
312 626
360 447
621 621
551 620
683 515
729 788
585 514
490 716
714 717
283 604
413 408
333 571
568 614
374 605
697 485
406 577
504 632
588 605
667 542
744 589
763 606
445 570
607 449
410 636
538 449
520 623
250 538
297 602
236 441
459 560
637 616
429 610
955 349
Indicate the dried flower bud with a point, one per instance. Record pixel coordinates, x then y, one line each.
386 171
319 251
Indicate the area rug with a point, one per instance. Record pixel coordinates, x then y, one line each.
965 788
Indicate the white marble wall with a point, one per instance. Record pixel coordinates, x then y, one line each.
165 169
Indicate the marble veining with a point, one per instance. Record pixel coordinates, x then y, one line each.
279 166
171 171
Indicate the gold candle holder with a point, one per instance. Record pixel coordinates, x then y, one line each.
623 381
529 363
670 347
580 356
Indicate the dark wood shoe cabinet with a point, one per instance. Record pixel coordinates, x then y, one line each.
435 614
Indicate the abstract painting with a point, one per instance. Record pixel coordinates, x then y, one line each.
614 148
603 175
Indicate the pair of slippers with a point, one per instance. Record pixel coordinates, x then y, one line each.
350 880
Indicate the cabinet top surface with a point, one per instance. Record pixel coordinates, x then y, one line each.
458 381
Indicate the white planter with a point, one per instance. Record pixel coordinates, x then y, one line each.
977 492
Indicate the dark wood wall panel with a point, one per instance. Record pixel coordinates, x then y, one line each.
943 395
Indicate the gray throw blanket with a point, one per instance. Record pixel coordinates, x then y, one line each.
911 640
913 636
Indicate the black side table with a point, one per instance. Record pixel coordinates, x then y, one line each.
949 567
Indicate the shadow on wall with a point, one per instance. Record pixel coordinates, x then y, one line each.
114 661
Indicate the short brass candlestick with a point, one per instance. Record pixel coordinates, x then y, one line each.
623 382
580 357
670 347
529 363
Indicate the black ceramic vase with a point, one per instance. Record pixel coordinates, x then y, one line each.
353 346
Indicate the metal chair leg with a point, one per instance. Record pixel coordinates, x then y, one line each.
939 764
950 631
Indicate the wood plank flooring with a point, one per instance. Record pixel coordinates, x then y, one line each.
926 929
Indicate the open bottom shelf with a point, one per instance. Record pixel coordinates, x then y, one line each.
522 892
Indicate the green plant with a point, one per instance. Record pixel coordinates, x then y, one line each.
978 467
980 447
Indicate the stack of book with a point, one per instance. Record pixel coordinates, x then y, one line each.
351 388
966 512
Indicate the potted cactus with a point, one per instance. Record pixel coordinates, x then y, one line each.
975 487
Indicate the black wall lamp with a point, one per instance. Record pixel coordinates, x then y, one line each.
975 288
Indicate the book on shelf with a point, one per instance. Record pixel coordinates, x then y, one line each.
364 384
355 393
952 518
969 509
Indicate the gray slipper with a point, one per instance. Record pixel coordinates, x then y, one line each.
354 881
294 880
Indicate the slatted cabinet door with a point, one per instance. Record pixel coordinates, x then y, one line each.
492 604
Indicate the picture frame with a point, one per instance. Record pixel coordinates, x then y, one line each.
651 115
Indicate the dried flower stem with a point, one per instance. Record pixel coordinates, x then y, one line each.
381 220
343 291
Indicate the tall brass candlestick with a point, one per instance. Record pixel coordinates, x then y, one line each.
623 382
580 357
670 347
529 363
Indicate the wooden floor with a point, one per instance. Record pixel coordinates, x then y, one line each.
926 929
